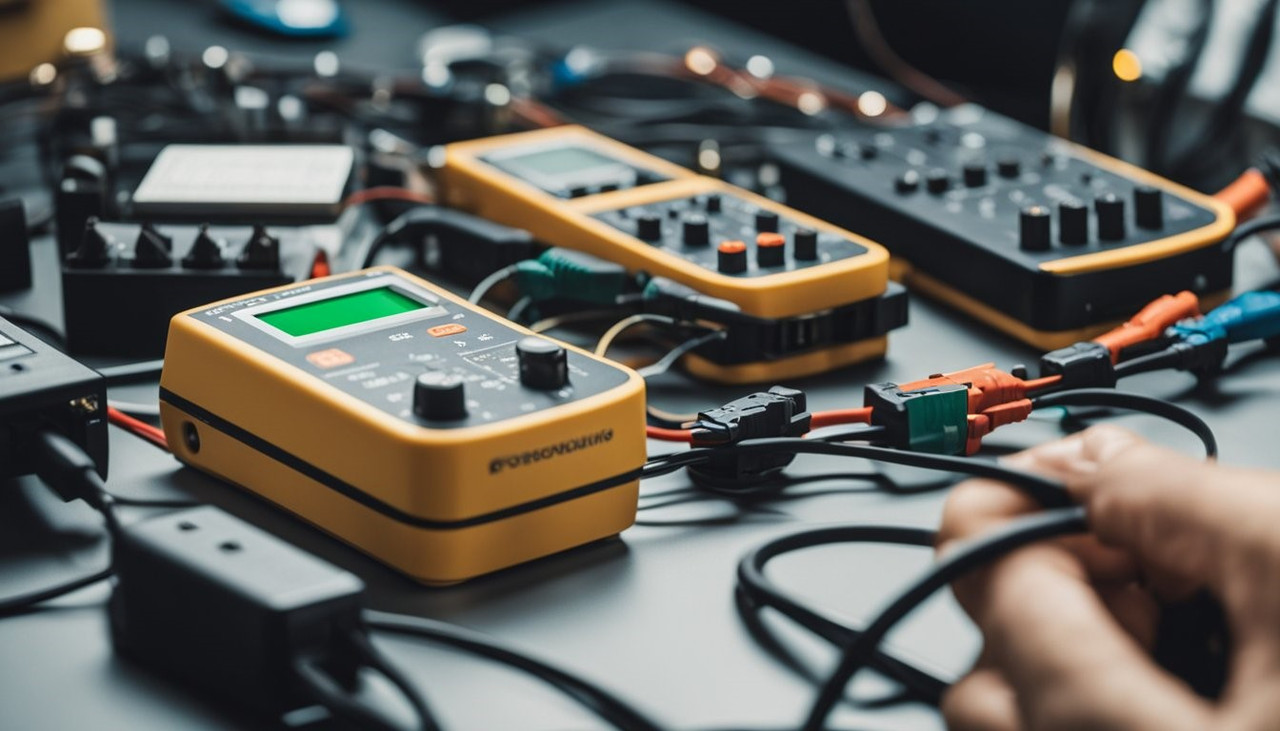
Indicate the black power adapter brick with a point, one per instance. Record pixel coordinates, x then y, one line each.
222 606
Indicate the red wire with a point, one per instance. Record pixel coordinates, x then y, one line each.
385 193
138 428
841 416
1039 383
668 435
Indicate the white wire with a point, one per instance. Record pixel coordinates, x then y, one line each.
489 283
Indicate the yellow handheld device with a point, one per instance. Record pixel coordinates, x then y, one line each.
428 433
576 189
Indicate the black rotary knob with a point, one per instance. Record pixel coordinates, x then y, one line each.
1073 223
1110 209
975 175
1033 227
648 227
937 181
731 257
544 365
439 396
1148 207
1009 167
766 222
804 244
697 232
908 182
713 204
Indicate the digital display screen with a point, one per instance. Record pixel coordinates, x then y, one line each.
561 160
347 309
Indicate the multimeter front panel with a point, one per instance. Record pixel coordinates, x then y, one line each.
573 188
372 337
432 435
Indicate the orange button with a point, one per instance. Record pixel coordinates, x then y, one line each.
732 247
770 240
440 331
331 358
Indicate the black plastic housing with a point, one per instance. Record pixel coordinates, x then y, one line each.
223 607
42 389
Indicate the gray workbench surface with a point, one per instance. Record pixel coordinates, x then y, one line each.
650 616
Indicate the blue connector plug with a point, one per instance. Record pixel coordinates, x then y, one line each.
1250 316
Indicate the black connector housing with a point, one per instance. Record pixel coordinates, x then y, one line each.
118 298
780 412
44 390
226 608
1083 365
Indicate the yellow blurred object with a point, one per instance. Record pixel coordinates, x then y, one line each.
47 31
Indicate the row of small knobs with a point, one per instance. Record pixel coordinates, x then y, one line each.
1073 219
154 250
974 175
440 396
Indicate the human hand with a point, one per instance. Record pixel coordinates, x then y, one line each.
1068 624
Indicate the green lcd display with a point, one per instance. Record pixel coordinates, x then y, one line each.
347 309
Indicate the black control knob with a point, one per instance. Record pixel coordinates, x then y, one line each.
908 182
714 203
1033 228
262 251
1148 207
868 151
152 249
1073 223
771 250
1009 167
766 222
648 227
697 232
439 396
1110 209
731 257
937 181
206 252
804 244
544 365
95 247
975 175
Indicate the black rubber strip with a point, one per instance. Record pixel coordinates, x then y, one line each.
350 491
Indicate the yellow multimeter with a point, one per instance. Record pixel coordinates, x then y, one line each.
426 432
573 188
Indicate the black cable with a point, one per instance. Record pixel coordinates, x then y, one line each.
21 603
757 591
379 662
1250 228
965 558
1134 402
131 372
599 701
1160 360
328 693
1045 491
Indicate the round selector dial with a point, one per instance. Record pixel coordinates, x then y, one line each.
1073 223
937 181
766 222
544 365
975 175
1110 210
771 250
731 257
1148 207
439 396
697 232
648 227
804 244
1033 228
